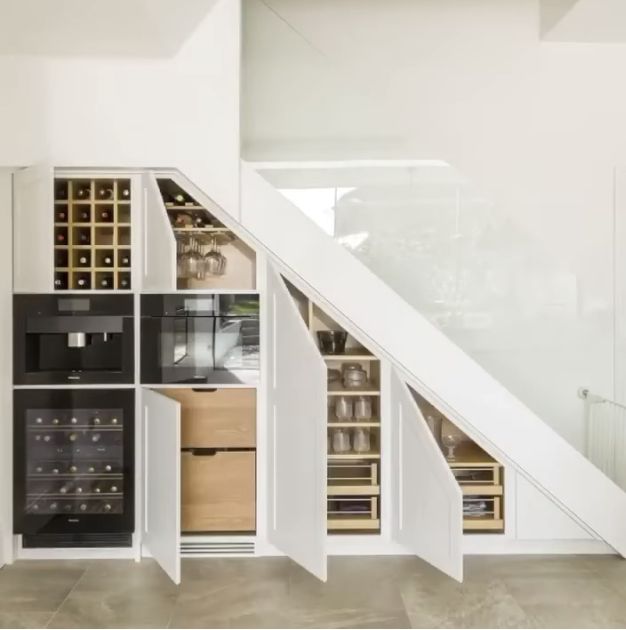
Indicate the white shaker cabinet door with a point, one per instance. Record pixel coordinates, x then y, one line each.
428 503
297 434
161 492
158 242
33 229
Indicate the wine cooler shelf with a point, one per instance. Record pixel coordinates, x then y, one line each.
92 234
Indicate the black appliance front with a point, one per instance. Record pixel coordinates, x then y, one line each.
73 463
73 339
200 338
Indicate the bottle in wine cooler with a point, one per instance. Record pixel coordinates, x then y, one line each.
95 437
83 507
125 193
83 261
108 260
73 468
108 468
107 507
105 283
124 283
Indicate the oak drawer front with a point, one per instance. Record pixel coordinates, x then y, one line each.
218 492
222 418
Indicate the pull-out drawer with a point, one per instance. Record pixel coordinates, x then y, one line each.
353 513
218 491
353 478
482 513
219 418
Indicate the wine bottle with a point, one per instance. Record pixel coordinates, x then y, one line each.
107 507
84 237
54 506
124 283
55 421
73 437
83 192
108 468
96 420
84 216
95 437
79 490
91 469
125 193
61 216
105 192
108 260
73 469
105 216
38 469
83 507
61 237
97 489
58 283
125 260
114 421
39 421
74 420
105 283
113 488
179 199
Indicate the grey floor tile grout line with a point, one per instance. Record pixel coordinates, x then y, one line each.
54 614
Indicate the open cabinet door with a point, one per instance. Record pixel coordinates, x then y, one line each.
162 480
297 434
159 244
428 514
33 229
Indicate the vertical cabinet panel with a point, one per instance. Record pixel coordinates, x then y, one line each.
33 229
159 245
162 489
428 503
297 434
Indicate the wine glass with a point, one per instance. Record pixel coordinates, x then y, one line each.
450 441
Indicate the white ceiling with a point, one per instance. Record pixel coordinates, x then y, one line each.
98 27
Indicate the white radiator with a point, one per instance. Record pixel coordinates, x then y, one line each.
605 437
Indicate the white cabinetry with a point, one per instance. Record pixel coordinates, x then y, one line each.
33 229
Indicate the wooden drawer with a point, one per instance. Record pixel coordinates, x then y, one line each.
353 513
218 492
483 513
222 418
353 478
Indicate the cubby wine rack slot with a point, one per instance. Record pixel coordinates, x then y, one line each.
92 234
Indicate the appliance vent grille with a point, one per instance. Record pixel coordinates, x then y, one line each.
217 548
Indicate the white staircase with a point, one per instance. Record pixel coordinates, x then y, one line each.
431 363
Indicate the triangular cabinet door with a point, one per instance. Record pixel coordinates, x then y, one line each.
161 513
33 229
158 270
297 434
428 514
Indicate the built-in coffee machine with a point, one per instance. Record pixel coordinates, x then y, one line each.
73 339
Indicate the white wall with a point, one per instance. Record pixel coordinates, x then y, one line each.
179 111
538 127
6 372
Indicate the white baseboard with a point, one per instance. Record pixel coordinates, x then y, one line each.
473 545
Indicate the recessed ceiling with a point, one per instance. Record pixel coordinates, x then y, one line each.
98 27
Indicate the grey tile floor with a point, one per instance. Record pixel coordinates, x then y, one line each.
374 592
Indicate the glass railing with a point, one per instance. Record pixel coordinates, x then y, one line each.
491 281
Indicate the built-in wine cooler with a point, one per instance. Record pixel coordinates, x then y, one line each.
73 467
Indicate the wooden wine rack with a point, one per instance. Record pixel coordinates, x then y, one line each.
92 234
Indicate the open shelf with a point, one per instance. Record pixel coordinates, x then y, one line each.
478 474
202 239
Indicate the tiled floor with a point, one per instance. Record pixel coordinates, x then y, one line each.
505 592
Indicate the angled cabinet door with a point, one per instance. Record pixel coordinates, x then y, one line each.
161 518
158 271
428 503
33 229
297 434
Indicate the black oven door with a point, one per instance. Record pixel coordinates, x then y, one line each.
188 342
